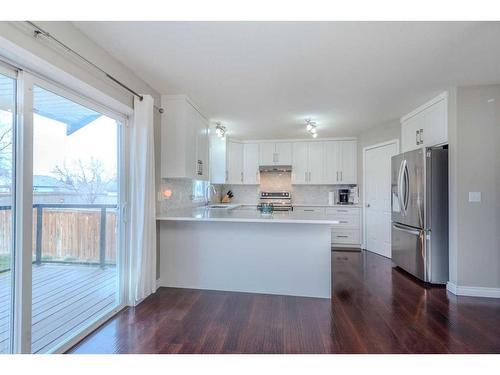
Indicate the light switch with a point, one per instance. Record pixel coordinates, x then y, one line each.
474 196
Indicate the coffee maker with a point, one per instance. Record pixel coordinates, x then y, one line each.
344 196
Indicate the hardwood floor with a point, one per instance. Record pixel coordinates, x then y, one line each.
375 309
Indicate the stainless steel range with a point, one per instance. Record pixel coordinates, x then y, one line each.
281 200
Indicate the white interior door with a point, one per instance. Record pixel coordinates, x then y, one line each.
378 198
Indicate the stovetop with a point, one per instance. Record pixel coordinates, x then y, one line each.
281 200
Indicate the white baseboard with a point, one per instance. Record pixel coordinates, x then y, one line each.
473 291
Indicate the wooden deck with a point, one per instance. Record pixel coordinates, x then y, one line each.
65 299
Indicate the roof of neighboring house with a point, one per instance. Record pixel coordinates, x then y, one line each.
50 105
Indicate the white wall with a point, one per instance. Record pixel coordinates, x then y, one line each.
475 166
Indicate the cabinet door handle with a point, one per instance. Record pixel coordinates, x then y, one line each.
337 176
277 158
305 176
417 133
308 210
343 222
309 176
339 236
421 133
241 177
341 179
226 175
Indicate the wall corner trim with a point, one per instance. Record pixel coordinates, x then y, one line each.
472 291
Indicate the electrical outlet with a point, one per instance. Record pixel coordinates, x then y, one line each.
474 196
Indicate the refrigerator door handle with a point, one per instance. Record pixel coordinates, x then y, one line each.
406 177
415 232
400 187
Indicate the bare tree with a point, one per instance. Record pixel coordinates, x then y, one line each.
6 152
85 178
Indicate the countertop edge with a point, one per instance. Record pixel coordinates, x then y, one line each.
251 220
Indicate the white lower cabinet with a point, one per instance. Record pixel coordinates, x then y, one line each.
348 231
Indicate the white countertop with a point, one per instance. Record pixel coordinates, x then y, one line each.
310 205
245 215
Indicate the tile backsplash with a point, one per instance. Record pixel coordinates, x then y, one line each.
281 181
178 193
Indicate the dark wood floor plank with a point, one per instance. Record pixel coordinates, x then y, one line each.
375 308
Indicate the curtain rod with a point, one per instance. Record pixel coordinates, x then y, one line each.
39 31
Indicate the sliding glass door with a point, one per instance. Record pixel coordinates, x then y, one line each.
66 236
76 200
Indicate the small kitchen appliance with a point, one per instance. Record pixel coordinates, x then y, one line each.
280 200
344 196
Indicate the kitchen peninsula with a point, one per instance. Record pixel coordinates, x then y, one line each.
239 249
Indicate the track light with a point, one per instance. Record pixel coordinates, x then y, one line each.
311 127
220 130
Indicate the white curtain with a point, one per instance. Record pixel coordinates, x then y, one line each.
142 223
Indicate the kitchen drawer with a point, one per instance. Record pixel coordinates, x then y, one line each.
342 211
305 209
347 221
345 236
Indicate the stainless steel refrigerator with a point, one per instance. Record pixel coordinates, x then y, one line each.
420 213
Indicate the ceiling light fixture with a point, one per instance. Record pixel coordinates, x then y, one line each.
311 127
220 130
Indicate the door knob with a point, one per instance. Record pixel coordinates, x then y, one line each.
368 205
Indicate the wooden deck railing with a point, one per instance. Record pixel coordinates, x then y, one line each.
67 233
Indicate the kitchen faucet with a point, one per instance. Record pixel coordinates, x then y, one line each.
210 192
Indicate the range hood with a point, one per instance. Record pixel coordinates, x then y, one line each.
275 168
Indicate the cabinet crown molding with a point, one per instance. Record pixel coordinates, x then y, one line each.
294 140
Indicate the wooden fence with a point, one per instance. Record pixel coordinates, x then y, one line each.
68 233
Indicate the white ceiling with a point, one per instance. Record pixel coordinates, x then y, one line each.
262 79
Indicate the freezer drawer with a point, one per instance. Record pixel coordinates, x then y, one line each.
409 250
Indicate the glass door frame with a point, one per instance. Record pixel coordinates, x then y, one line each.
24 204
11 72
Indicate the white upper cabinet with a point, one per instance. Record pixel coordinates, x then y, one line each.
316 163
300 165
184 140
267 153
427 125
275 153
307 165
348 162
234 162
340 165
332 161
217 158
283 153
251 173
